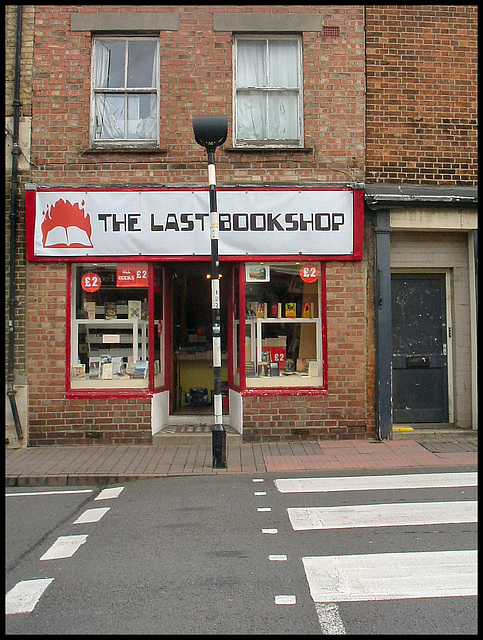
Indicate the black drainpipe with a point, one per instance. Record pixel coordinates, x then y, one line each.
13 230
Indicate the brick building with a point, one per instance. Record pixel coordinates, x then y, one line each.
118 331
421 192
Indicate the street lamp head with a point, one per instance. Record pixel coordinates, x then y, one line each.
210 132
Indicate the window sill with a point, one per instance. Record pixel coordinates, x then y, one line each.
126 149
270 149
284 391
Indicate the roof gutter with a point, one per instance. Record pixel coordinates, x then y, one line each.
382 195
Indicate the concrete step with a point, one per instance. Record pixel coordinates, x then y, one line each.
429 432
189 431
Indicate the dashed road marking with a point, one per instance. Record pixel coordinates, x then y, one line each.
257 480
263 509
281 557
269 530
64 547
91 515
111 492
285 600
259 493
329 619
48 493
23 597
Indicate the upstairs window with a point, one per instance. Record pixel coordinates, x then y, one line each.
125 91
268 91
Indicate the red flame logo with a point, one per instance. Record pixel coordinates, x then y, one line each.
66 225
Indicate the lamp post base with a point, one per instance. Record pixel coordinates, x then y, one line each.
218 436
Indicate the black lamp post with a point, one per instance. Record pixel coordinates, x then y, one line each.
210 132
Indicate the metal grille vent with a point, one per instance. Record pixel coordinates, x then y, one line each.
331 32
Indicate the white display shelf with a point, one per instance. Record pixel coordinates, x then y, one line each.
132 343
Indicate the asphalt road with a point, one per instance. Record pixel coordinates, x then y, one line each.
215 555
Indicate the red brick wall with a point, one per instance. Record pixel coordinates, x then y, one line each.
422 94
196 79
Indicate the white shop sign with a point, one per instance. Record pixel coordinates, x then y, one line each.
176 222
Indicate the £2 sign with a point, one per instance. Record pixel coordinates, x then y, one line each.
309 272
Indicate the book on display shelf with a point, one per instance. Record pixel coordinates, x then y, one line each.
290 310
78 370
134 309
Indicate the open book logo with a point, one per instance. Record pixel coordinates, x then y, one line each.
66 225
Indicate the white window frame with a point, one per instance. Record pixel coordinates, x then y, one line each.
125 92
274 143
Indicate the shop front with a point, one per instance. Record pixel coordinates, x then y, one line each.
138 326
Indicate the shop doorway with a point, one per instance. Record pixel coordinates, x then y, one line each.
420 360
192 377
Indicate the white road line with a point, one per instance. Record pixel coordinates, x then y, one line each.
329 619
277 557
366 483
259 493
23 597
270 531
257 480
112 492
91 515
285 600
64 547
382 515
48 493
391 576
263 509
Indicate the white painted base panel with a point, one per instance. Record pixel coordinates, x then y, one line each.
368 483
25 595
391 576
382 515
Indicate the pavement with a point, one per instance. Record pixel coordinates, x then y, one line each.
105 464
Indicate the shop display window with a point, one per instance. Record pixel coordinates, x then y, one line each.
110 328
283 341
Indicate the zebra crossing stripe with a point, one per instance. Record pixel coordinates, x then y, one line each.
391 576
382 515
367 483
23 597
64 547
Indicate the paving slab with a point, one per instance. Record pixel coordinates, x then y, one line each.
105 464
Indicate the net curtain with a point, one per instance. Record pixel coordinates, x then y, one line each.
267 89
